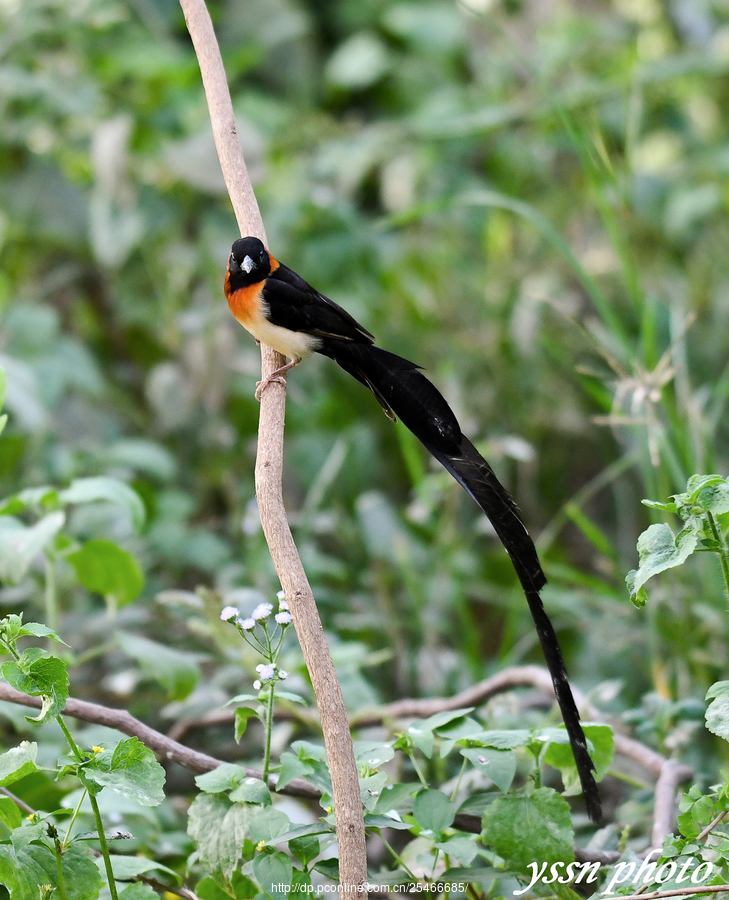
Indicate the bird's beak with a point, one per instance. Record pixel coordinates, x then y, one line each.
247 264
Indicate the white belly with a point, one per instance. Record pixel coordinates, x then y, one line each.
294 344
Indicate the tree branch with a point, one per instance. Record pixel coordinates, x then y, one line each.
269 469
516 676
158 743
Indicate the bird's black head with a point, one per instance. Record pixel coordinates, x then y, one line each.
248 263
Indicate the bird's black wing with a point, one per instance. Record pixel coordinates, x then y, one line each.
293 303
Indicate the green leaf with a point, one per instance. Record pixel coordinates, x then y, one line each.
301 883
498 765
242 715
209 889
328 867
274 872
268 825
252 790
178 672
289 695
10 815
397 797
130 770
20 544
24 867
561 757
138 892
291 767
458 875
502 739
239 887
370 789
421 733
44 677
433 811
372 753
432 723
422 738
659 550
528 828
37 630
90 490
219 827
375 820
17 763
712 494
463 849
126 867
314 757
240 698
305 849
717 712
106 569
226 777
301 831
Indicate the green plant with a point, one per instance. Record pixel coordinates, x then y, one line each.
704 508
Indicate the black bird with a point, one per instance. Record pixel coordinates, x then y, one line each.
281 309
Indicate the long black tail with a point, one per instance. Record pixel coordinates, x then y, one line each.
404 392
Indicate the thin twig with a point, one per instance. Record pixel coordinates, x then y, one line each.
183 892
669 773
269 472
679 892
159 743
665 800
21 804
711 826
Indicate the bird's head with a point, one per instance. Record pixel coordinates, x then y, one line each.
248 262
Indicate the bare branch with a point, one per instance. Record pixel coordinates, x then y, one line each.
669 773
679 892
157 742
269 468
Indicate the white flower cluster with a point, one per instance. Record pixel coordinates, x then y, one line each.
268 672
259 615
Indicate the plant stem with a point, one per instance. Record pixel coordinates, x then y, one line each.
73 819
417 769
398 859
104 847
722 551
59 873
69 738
458 783
269 728
97 813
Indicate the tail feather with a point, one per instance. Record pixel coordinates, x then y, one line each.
404 392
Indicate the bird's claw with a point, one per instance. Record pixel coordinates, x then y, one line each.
262 385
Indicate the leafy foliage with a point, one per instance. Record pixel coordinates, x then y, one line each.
531 207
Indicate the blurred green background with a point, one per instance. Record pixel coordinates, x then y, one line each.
527 197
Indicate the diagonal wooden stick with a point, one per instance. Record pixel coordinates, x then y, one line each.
269 469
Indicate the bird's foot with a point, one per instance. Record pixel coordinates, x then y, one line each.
277 376
262 385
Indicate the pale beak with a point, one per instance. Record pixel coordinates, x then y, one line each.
247 265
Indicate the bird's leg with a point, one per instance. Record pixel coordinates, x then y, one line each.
277 375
